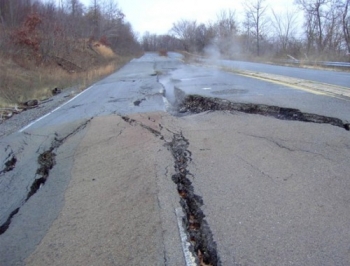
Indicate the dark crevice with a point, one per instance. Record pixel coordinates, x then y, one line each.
153 131
9 164
199 234
198 230
6 224
138 102
59 142
133 122
75 106
46 161
198 104
129 120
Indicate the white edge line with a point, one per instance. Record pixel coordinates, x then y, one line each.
166 104
40 118
189 258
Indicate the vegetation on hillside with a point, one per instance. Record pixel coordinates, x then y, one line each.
44 45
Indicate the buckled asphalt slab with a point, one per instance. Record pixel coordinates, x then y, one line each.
275 192
120 204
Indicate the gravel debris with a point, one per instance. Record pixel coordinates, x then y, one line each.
18 121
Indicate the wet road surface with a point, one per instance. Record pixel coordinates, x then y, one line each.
103 178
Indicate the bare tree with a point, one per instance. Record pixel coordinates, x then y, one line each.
226 24
346 24
112 20
323 24
195 37
95 16
154 42
284 26
203 36
226 31
75 7
185 30
256 14
13 12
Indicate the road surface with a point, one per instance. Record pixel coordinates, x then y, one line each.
339 78
136 171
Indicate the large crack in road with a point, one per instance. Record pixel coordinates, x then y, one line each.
203 246
198 230
198 104
10 162
46 161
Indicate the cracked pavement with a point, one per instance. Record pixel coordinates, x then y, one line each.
278 191
120 160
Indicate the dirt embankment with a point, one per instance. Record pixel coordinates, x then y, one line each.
26 81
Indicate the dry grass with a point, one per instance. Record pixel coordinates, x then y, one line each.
19 84
103 50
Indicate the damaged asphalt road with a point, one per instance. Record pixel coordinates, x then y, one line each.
259 171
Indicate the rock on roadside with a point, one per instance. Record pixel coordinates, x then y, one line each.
18 121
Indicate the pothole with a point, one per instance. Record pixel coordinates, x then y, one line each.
138 102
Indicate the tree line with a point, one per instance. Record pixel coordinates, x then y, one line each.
324 35
48 29
45 29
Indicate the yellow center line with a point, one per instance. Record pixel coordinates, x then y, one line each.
292 83
279 82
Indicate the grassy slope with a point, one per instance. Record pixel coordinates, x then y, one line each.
22 80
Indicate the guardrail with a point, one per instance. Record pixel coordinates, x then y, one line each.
319 63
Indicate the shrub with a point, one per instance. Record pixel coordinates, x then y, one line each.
163 52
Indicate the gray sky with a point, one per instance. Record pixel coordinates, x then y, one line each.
157 16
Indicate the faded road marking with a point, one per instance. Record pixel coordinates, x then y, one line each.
190 260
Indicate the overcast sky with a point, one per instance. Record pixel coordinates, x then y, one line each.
158 16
